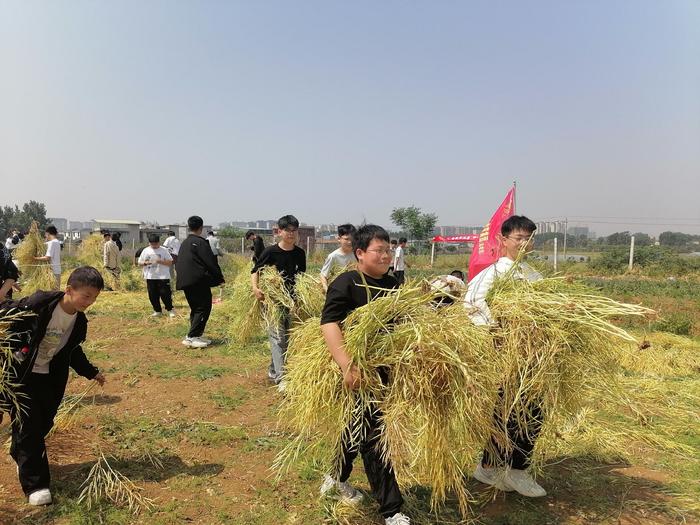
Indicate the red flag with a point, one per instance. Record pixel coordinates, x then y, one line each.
488 249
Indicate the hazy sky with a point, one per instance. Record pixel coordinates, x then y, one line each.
339 111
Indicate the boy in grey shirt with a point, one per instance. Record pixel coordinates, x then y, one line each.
341 257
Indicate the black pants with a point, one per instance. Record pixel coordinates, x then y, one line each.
523 440
381 476
199 299
29 429
159 289
399 274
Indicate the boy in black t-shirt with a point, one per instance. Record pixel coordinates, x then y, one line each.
289 260
346 293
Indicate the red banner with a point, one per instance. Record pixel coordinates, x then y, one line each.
487 250
471 237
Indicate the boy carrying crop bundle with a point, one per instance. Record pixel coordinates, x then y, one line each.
507 470
45 345
341 257
289 260
347 292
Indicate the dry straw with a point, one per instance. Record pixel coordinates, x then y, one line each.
104 482
424 369
9 397
240 312
91 253
36 275
554 345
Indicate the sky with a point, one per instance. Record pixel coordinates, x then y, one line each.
341 111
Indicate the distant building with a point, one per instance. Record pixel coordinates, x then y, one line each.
578 231
129 230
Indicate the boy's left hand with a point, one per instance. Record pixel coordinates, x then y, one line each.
100 379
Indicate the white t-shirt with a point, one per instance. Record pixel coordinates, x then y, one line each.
479 287
399 263
155 270
53 250
337 258
172 244
57 333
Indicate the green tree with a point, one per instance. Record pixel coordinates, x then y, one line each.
414 222
14 217
231 232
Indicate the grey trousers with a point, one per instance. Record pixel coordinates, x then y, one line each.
279 338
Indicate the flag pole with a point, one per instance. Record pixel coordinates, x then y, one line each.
514 196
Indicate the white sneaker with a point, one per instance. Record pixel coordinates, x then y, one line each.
171 314
156 314
492 476
205 339
282 386
398 519
347 492
40 497
193 342
523 482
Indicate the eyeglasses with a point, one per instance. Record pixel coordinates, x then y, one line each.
381 251
519 239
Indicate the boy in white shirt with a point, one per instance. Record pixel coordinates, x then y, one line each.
156 262
400 261
507 470
342 257
53 253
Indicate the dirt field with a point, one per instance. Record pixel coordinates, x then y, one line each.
210 417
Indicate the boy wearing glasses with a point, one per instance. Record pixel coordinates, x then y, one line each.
507 470
289 260
347 292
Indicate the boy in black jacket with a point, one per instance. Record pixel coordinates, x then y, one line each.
46 344
197 271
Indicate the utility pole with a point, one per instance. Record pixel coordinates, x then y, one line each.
631 253
555 252
566 230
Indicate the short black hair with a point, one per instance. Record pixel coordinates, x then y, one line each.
195 223
457 273
288 220
364 235
106 234
249 234
171 232
346 229
116 236
153 237
210 232
402 240
51 229
517 222
393 241
86 276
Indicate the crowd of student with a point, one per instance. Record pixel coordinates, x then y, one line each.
50 340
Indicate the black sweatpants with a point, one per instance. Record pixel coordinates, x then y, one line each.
159 289
523 440
381 476
199 299
28 448
400 276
